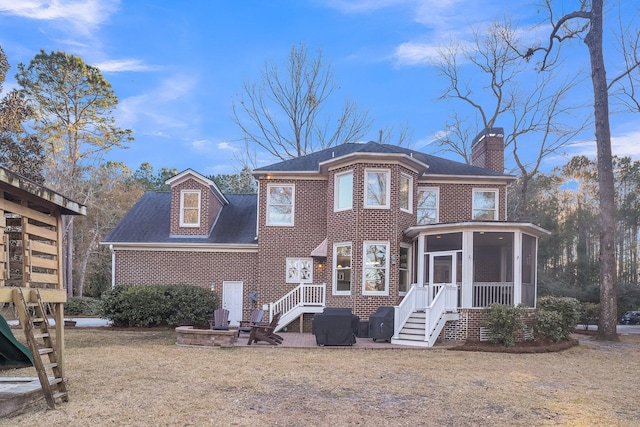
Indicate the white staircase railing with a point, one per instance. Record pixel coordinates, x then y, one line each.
299 300
435 301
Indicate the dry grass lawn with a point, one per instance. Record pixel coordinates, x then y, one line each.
141 378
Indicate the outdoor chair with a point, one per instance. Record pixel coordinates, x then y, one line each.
265 332
256 318
220 319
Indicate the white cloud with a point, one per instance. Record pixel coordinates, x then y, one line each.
226 146
621 145
413 53
120 65
82 14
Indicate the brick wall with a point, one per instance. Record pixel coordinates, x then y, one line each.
487 150
149 267
467 327
456 200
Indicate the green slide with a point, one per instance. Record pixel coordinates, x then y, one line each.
13 354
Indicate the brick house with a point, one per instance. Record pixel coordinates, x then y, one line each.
355 225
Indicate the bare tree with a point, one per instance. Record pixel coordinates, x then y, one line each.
589 19
283 113
501 93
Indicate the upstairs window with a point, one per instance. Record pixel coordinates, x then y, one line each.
376 191
299 270
343 194
406 193
428 201
485 205
280 204
190 208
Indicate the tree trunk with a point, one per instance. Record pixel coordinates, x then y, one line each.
608 300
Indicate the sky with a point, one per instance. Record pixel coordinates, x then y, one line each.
177 66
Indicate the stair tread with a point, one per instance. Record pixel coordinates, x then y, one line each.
45 350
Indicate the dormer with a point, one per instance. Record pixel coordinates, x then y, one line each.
196 202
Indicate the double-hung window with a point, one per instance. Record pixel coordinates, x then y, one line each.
190 208
342 269
485 205
376 191
343 194
376 268
280 204
427 212
406 193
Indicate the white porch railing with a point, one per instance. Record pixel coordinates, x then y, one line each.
304 295
434 300
487 293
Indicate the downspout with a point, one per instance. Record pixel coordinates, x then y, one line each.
113 267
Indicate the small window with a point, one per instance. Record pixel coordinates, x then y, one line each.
342 269
376 268
190 208
485 205
427 205
376 191
299 270
343 197
280 204
406 193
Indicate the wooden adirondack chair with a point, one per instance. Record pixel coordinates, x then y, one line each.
256 318
220 319
265 332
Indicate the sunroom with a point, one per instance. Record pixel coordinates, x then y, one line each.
487 262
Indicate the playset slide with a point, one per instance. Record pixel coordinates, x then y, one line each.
13 354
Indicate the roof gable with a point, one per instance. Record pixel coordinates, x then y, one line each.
191 174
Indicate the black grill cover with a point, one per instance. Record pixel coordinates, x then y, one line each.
335 326
381 324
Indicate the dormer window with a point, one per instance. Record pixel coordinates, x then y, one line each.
190 208
376 190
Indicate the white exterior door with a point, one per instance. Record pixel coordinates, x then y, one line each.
232 301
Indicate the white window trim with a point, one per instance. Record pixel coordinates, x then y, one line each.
410 198
182 208
364 267
336 193
387 172
409 267
437 191
496 192
293 203
298 279
335 272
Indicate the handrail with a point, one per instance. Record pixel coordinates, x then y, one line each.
305 294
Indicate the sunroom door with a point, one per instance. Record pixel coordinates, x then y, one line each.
443 271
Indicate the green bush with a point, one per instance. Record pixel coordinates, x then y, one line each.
82 306
547 325
589 313
504 322
568 308
146 306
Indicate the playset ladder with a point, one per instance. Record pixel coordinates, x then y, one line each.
36 329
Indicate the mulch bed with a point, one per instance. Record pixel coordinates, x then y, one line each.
525 347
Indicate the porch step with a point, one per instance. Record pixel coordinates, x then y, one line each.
413 330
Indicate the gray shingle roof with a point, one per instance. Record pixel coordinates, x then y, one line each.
437 165
148 221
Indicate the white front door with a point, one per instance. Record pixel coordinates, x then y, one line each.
232 301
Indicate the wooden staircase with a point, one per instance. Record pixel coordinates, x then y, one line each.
36 329
414 332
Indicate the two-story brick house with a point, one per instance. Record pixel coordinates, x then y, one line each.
353 225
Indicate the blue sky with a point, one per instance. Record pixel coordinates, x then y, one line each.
176 66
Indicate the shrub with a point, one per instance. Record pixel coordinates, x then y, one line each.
82 306
145 306
504 322
568 308
547 325
589 313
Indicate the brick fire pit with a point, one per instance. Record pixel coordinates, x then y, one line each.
187 335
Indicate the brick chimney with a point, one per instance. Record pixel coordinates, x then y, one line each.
487 150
